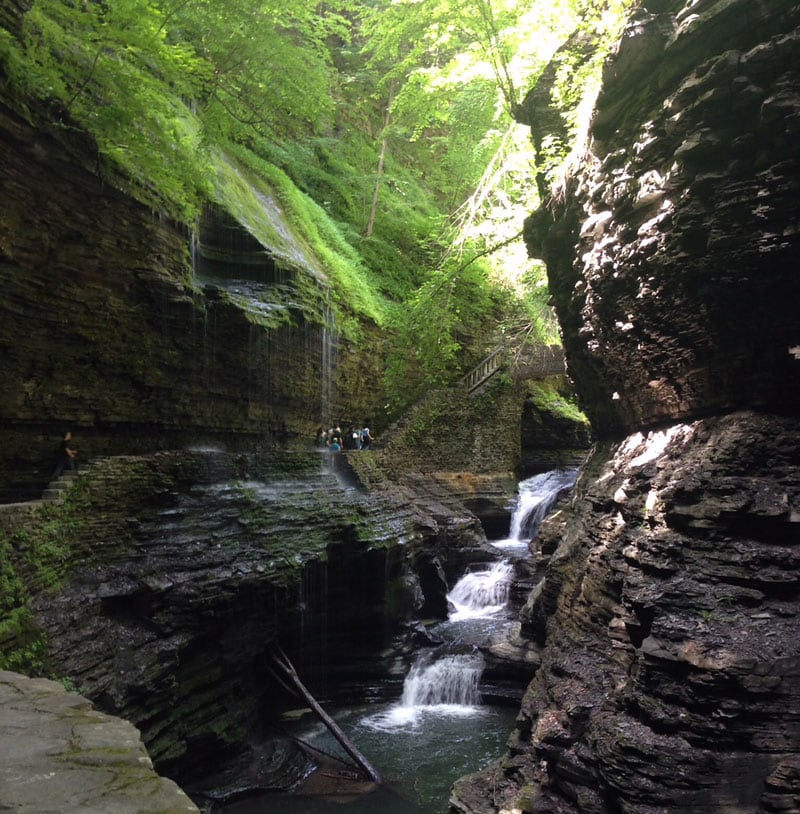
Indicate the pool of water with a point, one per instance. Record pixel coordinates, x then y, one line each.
438 731
420 751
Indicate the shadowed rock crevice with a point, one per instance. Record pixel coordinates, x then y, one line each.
668 610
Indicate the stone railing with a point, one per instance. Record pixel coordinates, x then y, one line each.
484 371
528 362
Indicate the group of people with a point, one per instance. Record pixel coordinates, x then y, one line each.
334 440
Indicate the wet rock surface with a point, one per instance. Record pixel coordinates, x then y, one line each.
59 755
662 618
184 568
667 615
668 618
107 330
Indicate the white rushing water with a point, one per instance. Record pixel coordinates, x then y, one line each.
535 499
448 685
449 680
481 593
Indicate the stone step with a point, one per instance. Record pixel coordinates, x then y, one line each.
56 489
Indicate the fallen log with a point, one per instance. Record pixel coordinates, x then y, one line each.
282 661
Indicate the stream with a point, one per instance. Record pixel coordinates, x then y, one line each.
438 730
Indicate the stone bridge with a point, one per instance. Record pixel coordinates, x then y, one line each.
526 362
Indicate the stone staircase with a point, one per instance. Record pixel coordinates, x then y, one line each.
54 492
58 488
524 362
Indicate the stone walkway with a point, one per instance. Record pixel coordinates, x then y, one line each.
59 755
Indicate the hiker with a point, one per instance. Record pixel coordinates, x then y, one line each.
66 456
366 436
353 438
334 447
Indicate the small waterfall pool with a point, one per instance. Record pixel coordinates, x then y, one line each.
438 730
419 756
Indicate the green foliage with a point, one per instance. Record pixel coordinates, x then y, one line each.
433 326
314 231
114 71
578 76
383 128
269 64
548 398
539 314
12 589
22 647
33 561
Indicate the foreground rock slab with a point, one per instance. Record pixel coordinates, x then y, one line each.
59 754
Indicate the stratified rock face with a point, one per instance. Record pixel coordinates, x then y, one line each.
669 613
105 331
185 568
673 249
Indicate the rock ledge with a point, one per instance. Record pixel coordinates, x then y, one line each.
60 755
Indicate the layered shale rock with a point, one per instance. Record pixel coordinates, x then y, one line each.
161 583
673 248
667 618
111 330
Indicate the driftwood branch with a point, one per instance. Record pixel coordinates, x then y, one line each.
282 661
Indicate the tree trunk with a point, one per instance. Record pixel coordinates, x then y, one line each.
381 162
282 661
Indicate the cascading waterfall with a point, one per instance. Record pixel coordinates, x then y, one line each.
454 679
439 727
449 680
481 593
535 500
330 339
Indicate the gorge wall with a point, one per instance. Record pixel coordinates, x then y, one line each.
668 615
203 528
182 570
667 619
107 329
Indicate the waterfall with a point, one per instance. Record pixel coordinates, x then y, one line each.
452 680
536 498
481 593
449 684
329 345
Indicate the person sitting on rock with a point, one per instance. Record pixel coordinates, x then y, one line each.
66 456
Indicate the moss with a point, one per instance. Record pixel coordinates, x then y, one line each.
548 398
33 560
299 234
267 315
367 469
23 647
